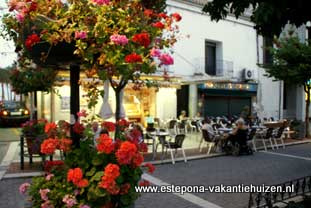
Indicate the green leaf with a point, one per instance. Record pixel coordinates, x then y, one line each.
97 176
97 161
91 172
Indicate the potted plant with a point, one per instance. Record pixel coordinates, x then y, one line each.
34 134
104 175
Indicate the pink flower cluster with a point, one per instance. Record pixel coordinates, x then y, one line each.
166 59
43 194
84 206
154 52
23 188
69 200
101 2
80 35
119 39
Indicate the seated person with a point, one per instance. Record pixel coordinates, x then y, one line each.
239 134
208 127
182 115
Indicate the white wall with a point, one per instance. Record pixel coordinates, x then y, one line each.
237 38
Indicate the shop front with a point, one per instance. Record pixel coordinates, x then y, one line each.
157 102
225 99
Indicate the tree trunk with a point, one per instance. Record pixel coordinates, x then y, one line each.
117 91
307 90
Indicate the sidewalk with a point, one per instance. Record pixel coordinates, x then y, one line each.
268 168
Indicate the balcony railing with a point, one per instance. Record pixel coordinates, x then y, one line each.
222 68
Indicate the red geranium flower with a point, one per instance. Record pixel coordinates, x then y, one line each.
125 188
148 12
49 165
82 113
111 172
123 122
142 39
110 186
159 25
105 144
162 15
31 41
150 167
176 16
144 183
82 183
138 160
33 7
78 128
65 144
74 175
133 58
49 146
110 126
50 127
126 153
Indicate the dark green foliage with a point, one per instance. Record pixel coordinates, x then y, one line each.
269 16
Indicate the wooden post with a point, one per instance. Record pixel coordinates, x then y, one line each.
74 100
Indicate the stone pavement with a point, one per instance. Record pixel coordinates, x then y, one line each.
261 168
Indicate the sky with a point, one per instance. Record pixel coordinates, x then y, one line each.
7 54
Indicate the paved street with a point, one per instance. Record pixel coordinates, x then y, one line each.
268 168
7 135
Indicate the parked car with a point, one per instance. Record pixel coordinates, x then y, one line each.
13 112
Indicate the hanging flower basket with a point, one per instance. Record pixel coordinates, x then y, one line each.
45 54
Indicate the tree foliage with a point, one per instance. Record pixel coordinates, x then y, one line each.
269 16
292 61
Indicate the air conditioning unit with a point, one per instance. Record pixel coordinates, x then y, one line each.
248 74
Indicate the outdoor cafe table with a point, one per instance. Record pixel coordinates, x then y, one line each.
225 130
159 134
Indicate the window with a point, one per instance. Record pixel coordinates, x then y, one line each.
267 56
210 58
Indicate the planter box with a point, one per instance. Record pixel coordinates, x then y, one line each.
34 143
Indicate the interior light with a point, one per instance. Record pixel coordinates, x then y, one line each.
26 112
5 113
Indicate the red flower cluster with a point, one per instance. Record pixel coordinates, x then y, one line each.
122 122
142 39
144 183
138 160
76 177
176 16
159 25
163 15
125 188
150 167
110 126
49 165
126 153
50 127
65 144
133 58
105 144
31 41
108 182
78 128
49 146
148 12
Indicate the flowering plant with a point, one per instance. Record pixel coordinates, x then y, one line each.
113 39
30 80
34 127
100 176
